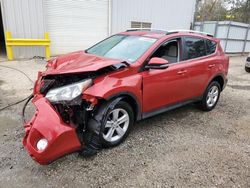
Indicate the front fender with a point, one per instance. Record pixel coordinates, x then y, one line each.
108 87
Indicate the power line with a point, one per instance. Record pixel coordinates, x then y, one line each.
19 71
15 103
22 100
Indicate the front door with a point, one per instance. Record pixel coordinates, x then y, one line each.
162 88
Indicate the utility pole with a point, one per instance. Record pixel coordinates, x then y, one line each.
195 12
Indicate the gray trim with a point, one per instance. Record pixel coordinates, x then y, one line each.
129 94
234 25
242 40
216 28
219 24
219 75
169 107
228 31
202 26
245 43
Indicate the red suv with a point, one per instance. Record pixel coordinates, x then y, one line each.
89 99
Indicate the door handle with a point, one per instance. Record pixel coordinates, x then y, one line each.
182 72
211 66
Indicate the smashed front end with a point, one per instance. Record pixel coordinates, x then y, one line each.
60 119
60 123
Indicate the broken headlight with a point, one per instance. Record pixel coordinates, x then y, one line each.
68 92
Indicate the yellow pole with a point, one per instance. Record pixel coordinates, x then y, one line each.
9 48
47 49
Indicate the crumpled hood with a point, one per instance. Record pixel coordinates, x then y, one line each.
77 62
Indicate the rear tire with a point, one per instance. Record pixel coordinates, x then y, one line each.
210 97
247 69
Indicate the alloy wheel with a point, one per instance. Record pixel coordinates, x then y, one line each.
116 125
212 96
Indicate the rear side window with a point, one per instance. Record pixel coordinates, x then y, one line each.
194 47
210 47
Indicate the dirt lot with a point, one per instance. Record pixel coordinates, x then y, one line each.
181 148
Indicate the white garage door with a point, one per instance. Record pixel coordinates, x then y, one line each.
75 24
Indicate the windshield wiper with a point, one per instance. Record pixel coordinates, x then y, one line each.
125 63
121 65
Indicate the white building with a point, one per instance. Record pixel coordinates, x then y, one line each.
77 24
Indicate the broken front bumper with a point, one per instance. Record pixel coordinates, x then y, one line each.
47 123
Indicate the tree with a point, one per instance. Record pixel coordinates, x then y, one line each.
211 10
240 9
220 10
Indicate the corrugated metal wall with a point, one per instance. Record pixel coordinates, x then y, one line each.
24 19
163 14
235 36
75 25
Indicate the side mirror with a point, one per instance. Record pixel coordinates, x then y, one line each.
157 63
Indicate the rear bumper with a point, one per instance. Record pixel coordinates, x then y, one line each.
46 123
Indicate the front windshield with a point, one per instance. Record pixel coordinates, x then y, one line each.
124 47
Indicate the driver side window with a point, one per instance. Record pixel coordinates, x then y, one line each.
169 51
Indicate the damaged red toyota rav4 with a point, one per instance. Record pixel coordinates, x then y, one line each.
90 99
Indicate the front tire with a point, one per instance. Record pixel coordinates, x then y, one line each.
116 124
210 97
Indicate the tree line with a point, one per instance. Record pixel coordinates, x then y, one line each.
221 10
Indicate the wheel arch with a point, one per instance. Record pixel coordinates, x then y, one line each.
220 79
131 99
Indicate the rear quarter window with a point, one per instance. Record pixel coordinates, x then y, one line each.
194 47
210 47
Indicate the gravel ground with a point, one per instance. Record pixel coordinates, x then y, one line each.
182 148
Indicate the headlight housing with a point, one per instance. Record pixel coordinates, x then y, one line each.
68 92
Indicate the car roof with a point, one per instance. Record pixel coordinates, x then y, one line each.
158 34
151 34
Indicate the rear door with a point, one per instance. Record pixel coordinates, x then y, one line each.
195 57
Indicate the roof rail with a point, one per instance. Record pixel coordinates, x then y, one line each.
189 31
146 29
168 32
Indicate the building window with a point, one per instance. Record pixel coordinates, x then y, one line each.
140 24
